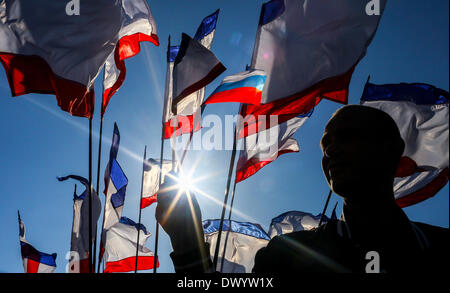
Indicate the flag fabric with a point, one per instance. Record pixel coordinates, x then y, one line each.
264 147
34 261
120 248
137 26
421 113
245 87
195 66
187 116
79 244
294 221
309 50
43 50
242 240
151 180
115 189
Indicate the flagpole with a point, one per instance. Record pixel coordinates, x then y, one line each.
98 186
230 173
229 226
160 179
190 137
140 210
90 196
325 208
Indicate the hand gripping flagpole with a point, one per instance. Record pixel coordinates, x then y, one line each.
140 210
230 173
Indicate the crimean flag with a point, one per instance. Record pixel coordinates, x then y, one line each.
152 174
120 248
187 117
421 112
242 240
245 87
309 50
79 243
137 26
34 261
294 221
264 147
46 51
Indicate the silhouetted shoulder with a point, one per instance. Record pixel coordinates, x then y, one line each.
319 250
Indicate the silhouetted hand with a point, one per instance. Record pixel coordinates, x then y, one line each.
179 215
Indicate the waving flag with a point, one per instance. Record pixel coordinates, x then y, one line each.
245 87
187 116
294 221
138 26
421 112
309 49
151 180
242 240
115 188
120 247
79 243
264 147
34 261
43 50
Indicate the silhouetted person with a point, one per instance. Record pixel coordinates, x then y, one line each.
361 148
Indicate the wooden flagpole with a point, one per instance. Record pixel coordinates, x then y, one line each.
140 209
224 206
325 208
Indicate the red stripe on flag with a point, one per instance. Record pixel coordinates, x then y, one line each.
425 192
407 167
129 264
127 47
185 125
32 266
254 165
32 74
146 201
334 89
244 95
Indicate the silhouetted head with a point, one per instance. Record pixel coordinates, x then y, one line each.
361 149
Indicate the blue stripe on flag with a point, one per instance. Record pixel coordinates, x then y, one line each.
271 10
28 251
256 81
115 143
48 259
418 93
207 26
172 53
249 229
281 217
129 222
118 199
117 176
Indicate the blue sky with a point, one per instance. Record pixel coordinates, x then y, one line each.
40 142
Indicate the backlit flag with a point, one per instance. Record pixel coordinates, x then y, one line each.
264 147
245 87
151 180
79 244
309 49
34 261
242 240
187 116
195 66
120 248
138 26
421 112
115 188
294 221
46 51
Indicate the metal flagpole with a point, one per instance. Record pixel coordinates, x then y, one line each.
229 226
140 209
90 196
160 178
98 186
230 173
325 208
